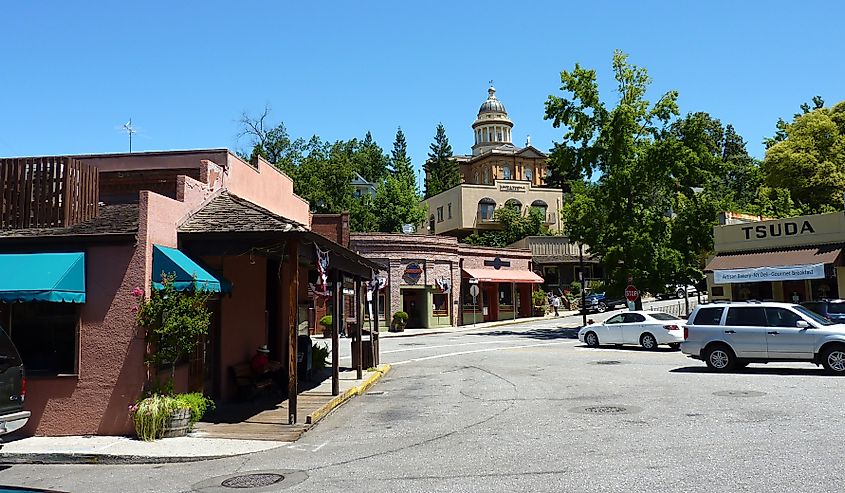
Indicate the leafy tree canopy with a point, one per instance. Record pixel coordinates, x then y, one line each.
515 226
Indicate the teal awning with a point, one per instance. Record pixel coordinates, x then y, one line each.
42 277
172 261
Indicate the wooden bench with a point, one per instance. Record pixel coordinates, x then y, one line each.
250 385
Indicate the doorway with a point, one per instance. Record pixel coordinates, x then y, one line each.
413 303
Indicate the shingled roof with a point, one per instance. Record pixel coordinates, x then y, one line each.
230 213
111 219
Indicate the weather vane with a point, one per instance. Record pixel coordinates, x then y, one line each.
129 129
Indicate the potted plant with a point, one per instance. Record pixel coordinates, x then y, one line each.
539 301
174 321
400 319
319 353
326 323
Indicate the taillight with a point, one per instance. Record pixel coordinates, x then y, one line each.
671 327
23 387
686 332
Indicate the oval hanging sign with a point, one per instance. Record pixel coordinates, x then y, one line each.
412 272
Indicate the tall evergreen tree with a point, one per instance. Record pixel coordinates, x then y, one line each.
400 163
441 169
370 159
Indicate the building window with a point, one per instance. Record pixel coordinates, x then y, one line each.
499 135
505 297
550 275
46 336
486 207
528 174
541 207
449 210
440 214
514 204
476 178
486 176
440 305
431 224
506 172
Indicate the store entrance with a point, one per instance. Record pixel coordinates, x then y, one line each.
413 303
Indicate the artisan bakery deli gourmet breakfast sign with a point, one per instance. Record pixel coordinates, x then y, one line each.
764 274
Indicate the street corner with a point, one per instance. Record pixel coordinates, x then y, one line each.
374 376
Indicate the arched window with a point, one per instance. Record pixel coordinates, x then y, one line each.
486 207
528 174
541 207
476 178
514 204
506 172
486 176
431 224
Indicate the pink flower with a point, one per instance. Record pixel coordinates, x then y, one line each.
137 292
134 309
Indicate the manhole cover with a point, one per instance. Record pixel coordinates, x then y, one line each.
739 393
607 362
252 480
606 409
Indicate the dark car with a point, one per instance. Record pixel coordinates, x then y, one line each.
600 302
12 387
832 309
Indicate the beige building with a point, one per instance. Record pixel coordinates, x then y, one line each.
791 259
497 174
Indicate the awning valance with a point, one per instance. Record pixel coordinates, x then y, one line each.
42 277
504 275
172 261
775 265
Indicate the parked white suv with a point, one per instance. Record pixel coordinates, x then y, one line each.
731 335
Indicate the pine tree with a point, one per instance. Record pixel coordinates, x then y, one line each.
441 168
370 159
400 163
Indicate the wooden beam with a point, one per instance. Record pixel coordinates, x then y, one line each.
337 319
360 297
373 336
291 265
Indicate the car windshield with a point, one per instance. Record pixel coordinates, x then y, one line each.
663 316
837 308
815 317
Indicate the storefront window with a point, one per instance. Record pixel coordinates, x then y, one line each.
440 305
551 276
505 296
46 336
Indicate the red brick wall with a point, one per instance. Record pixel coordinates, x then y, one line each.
333 226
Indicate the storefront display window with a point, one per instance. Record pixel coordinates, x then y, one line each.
46 336
440 305
505 297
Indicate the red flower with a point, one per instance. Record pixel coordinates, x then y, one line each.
137 292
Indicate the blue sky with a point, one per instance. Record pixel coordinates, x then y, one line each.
72 72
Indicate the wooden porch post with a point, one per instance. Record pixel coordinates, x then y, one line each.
292 258
375 326
337 319
360 297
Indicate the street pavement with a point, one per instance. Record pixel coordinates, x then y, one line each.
526 407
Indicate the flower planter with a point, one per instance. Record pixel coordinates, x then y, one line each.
177 424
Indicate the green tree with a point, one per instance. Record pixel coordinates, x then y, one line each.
397 204
809 161
369 159
362 215
400 162
624 215
515 226
441 169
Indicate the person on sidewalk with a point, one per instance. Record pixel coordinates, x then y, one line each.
556 304
260 360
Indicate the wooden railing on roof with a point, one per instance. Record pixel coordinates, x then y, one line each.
46 192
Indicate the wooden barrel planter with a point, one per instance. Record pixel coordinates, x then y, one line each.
177 424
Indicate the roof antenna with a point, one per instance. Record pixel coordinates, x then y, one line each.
129 129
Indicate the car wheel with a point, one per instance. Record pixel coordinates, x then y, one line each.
833 360
601 308
647 341
720 358
675 345
679 293
591 339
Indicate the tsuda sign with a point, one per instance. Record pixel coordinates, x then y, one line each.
788 228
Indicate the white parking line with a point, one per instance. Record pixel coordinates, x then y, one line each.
458 353
423 348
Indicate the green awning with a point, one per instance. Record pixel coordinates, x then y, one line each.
42 277
172 261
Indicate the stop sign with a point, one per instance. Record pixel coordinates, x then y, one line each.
631 293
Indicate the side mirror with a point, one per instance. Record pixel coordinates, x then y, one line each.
803 324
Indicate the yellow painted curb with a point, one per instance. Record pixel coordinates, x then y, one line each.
357 390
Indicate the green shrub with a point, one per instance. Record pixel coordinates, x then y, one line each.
400 317
319 353
575 287
598 287
326 321
150 415
197 403
539 298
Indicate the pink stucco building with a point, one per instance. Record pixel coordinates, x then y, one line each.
238 222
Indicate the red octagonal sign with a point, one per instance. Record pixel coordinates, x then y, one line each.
631 293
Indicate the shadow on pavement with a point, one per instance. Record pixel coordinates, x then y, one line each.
633 349
756 370
541 334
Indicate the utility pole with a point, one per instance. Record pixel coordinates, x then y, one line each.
583 287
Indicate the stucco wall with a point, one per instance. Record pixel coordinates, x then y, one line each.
111 354
267 187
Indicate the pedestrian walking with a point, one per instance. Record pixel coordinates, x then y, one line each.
556 304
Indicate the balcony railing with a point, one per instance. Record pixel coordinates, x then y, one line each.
46 192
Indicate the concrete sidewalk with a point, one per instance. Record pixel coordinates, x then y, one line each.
197 446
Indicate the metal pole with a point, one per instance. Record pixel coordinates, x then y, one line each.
583 287
360 288
337 319
513 298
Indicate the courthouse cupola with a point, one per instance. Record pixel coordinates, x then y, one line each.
492 127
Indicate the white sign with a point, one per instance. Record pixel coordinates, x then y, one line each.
473 290
763 274
473 280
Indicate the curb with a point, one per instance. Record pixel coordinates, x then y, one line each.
323 411
105 459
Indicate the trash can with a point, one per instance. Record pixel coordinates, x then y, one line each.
303 356
366 350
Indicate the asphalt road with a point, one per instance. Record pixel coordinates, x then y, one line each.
528 408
